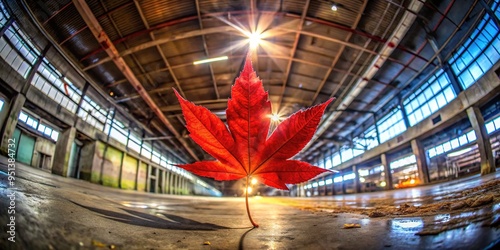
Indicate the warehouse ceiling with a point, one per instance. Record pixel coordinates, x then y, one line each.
364 53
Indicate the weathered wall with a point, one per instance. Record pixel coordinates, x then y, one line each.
141 180
129 172
87 161
46 147
110 159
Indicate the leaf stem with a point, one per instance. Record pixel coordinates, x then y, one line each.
248 208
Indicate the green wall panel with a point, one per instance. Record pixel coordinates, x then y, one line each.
129 170
111 167
26 145
141 182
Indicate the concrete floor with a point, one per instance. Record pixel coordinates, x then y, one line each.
63 213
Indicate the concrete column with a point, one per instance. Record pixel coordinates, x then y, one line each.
148 178
15 106
357 188
483 140
63 152
333 186
163 181
183 185
136 184
387 172
423 170
167 181
171 183
177 181
120 174
157 178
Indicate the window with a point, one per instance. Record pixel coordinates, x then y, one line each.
34 123
146 150
491 126
403 162
479 52
452 144
134 142
366 140
23 117
435 93
391 125
336 159
346 154
1 104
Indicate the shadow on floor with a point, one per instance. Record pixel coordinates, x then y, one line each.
137 218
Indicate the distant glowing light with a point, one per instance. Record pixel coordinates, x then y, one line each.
249 190
254 39
275 118
209 60
254 181
361 179
383 184
412 181
334 7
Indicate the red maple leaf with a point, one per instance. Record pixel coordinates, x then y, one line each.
243 148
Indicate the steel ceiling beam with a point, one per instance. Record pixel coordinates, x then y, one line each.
292 54
112 52
284 14
200 22
160 52
341 50
395 38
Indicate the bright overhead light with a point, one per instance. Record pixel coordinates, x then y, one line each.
254 181
334 7
209 60
254 39
275 118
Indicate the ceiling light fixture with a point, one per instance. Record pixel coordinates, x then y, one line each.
275 118
209 60
334 7
254 39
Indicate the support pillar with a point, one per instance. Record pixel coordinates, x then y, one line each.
184 186
63 152
324 190
423 170
15 106
483 140
138 167
158 179
148 178
357 188
387 172
167 181
177 182
171 183
333 186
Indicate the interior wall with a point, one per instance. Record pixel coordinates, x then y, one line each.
43 147
86 162
129 172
